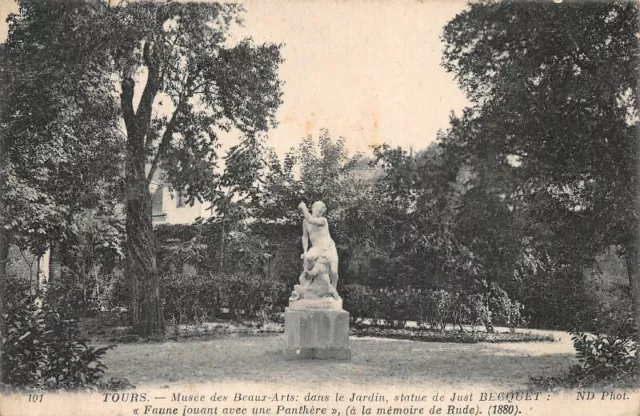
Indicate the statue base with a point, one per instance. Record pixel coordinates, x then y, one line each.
320 304
316 333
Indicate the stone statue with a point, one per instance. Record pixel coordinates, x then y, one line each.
319 277
315 227
315 324
314 280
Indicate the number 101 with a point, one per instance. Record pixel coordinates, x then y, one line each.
35 398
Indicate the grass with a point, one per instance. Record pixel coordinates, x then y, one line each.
245 358
501 358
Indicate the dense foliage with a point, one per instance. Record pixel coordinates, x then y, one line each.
549 120
63 112
551 139
403 220
498 220
434 309
206 297
42 350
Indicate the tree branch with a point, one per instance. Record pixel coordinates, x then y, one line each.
126 99
164 143
194 90
143 115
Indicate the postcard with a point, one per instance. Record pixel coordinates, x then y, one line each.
339 208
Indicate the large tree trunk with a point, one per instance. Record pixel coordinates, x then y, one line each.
142 273
146 307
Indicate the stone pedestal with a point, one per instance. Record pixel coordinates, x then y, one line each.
316 333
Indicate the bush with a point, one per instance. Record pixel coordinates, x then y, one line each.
188 297
87 295
514 316
41 350
194 298
430 308
504 310
359 300
71 296
611 356
479 312
429 335
408 303
15 290
250 296
395 307
559 300
460 312
388 307
604 357
437 309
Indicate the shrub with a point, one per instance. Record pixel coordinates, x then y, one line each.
515 317
505 311
604 357
41 350
460 312
408 303
436 308
558 300
612 355
383 307
193 298
430 308
479 312
429 335
395 307
87 295
246 295
15 290
186 297
607 357
359 300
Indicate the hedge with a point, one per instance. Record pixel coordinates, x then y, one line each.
200 297
431 308
189 298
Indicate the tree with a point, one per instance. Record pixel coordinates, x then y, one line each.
237 194
60 150
318 170
413 212
193 83
554 120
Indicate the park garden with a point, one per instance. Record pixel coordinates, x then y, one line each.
488 235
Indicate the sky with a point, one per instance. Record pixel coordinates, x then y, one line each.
366 70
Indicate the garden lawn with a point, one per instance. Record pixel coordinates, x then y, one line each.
237 359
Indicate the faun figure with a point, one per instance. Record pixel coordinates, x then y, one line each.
315 228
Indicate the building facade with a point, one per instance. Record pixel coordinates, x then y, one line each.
170 206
